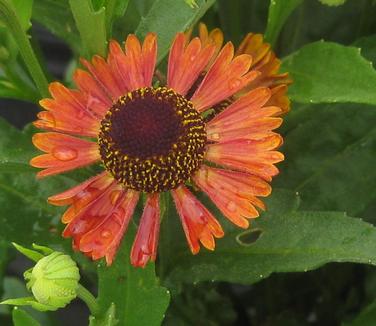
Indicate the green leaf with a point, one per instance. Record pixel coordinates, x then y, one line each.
25 213
325 72
29 301
332 2
91 25
279 11
14 158
329 153
24 9
57 18
166 18
31 254
135 292
114 10
287 240
367 46
22 318
108 319
366 318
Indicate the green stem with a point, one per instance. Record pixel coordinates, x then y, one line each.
9 16
86 296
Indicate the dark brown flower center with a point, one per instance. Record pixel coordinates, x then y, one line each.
152 140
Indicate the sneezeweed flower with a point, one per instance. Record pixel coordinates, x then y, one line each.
154 139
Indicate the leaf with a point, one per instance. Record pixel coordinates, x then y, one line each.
22 318
24 212
166 18
29 301
290 241
366 317
367 46
108 319
136 293
91 25
329 157
24 9
325 72
57 18
31 254
279 11
114 10
332 2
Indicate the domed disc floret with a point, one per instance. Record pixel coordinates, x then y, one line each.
152 139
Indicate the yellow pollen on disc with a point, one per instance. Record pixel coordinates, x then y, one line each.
152 140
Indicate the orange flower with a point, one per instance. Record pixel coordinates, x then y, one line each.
154 139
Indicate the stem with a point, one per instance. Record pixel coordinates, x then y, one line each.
86 296
9 16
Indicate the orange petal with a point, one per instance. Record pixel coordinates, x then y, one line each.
186 62
104 76
252 156
246 118
279 98
145 244
225 77
119 64
234 193
215 37
97 99
198 223
140 60
67 112
65 153
103 240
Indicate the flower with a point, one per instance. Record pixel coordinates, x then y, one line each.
154 139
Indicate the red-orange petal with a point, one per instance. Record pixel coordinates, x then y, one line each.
246 118
146 242
98 227
198 223
186 62
104 239
68 112
65 153
256 157
97 99
104 76
234 193
140 61
226 76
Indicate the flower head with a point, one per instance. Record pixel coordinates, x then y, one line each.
153 139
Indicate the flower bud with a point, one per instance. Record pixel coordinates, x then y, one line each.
53 280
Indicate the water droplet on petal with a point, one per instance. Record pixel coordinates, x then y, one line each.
106 234
80 114
231 206
234 83
214 136
64 153
192 58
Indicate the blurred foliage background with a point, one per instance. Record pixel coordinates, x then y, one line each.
271 275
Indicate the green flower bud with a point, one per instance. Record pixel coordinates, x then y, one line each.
53 280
